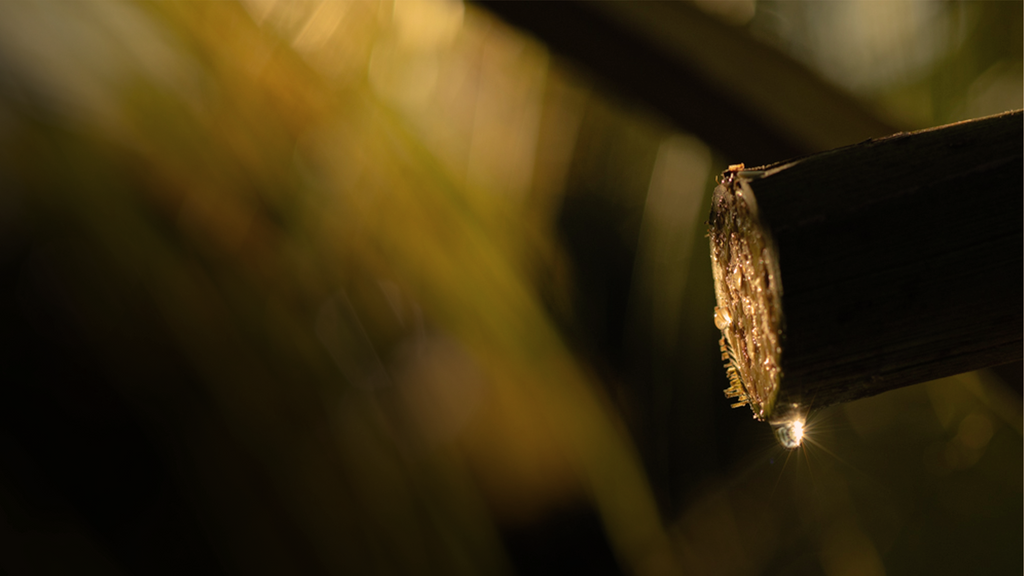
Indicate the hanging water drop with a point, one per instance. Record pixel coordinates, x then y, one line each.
788 425
790 434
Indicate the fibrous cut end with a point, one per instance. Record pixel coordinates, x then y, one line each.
749 292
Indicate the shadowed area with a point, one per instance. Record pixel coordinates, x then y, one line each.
374 288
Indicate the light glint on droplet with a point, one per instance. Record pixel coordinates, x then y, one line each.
790 434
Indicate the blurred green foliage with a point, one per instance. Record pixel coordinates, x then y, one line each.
359 287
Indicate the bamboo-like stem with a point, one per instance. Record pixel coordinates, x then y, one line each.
855 271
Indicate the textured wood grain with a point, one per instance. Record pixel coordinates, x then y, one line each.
884 264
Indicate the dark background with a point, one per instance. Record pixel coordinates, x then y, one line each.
362 288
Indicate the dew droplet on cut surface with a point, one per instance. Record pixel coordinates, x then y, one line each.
790 433
722 318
